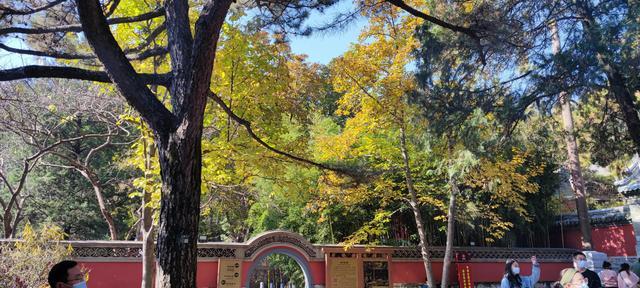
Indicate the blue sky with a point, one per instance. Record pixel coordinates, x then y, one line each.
322 47
319 47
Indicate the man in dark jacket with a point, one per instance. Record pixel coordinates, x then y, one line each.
580 264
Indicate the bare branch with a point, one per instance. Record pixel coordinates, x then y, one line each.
36 71
93 150
58 166
63 55
52 54
147 41
6 10
78 27
6 183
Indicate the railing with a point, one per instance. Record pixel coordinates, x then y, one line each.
492 254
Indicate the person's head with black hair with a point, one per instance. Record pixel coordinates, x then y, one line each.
66 274
606 265
624 267
512 273
580 261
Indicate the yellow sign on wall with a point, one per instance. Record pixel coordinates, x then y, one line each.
343 272
229 273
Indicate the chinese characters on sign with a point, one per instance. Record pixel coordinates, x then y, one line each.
229 272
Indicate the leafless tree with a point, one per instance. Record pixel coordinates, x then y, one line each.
55 127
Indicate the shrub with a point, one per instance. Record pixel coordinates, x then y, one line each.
26 262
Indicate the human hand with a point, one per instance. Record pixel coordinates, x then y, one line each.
534 260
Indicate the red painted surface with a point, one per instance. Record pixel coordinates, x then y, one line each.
484 272
113 274
612 240
128 274
317 271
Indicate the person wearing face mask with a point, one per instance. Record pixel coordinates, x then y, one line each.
571 278
580 264
512 278
626 278
66 274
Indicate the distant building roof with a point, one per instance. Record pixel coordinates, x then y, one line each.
616 215
631 182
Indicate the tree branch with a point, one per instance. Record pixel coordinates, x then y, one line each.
96 30
472 33
207 32
36 71
404 6
147 41
72 56
78 27
247 125
180 48
112 8
6 10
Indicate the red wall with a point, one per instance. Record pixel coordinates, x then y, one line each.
612 240
128 274
481 272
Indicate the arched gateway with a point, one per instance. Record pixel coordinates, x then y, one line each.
286 243
231 265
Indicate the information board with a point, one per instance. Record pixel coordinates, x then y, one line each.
344 272
229 273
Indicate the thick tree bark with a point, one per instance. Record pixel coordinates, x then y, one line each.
97 189
415 207
573 165
177 133
180 162
451 220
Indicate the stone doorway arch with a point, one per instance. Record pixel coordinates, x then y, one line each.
302 262
286 243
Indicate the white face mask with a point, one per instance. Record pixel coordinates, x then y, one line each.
515 270
82 284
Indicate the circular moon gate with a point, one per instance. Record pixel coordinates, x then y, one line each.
302 262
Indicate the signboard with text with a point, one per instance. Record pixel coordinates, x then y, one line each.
229 273
344 272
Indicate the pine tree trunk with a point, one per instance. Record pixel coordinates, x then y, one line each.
180 159
577 181
417 214
451 220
